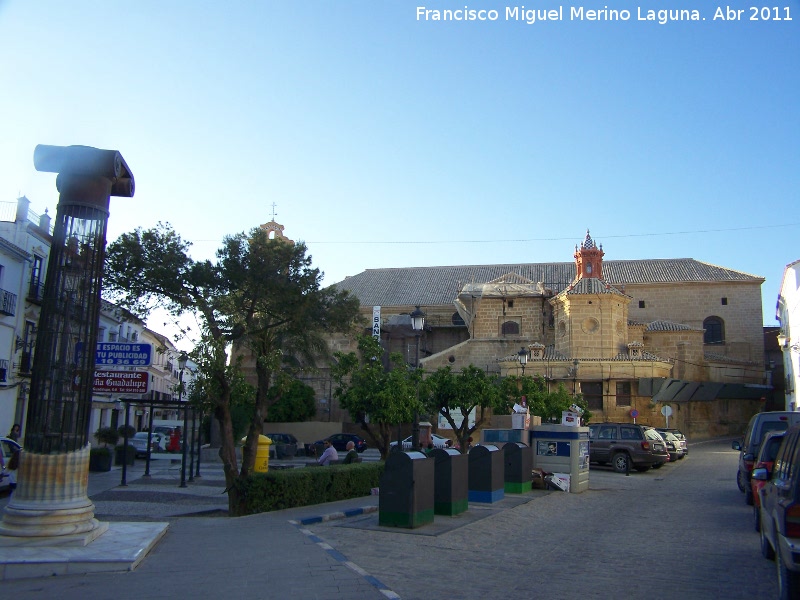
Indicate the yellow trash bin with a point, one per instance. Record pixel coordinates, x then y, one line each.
262 454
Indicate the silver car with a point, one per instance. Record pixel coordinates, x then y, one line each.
139 442
674 446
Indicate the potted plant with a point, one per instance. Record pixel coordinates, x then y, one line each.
100 458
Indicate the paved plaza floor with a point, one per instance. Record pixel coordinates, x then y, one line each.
684 528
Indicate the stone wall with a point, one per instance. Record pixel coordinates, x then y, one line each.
691 303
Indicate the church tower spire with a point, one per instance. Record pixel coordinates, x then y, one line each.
589 259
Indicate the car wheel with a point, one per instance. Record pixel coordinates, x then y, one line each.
740 481
757 518
766 549
620 462
658 465
788 581
748 496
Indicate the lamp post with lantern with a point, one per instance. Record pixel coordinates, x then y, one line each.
418 325
184 441
522 357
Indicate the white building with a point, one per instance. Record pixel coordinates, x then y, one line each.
788 314
25 239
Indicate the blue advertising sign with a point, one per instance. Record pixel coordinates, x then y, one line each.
123 354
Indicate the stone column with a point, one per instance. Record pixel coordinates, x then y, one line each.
50 505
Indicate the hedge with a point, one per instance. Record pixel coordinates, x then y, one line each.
290 488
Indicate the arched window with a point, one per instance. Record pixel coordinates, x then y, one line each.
715 331
510 328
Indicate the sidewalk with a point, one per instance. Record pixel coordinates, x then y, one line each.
149 515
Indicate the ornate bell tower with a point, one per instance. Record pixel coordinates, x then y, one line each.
589 259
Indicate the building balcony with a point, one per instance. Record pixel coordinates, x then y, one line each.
36 291
24 365
8 303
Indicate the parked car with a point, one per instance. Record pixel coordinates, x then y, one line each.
438 442
8 448
765 460
339 441
748 446
139 442
678 434
780 513
626 445
284 444
674 447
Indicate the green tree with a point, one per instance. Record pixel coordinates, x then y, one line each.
542 402
262 296
295 403
378 391
280 313
456 395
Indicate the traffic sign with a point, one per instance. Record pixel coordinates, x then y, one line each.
120 382
666 410
123 354
634 413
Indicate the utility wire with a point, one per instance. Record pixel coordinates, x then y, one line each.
545 239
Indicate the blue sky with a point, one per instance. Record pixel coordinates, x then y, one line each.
388 141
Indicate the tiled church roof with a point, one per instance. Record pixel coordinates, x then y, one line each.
430 286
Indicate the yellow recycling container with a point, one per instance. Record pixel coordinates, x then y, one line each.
262 454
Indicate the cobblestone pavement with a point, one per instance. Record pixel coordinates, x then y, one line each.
682 531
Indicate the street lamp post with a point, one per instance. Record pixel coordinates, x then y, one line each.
575 364
417 324
522 356
181 366
199 443
191 449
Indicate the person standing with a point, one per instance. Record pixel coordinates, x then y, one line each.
174 444
328 455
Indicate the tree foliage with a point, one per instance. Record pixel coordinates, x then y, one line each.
456 395
541 400
378 391
295 403
261 296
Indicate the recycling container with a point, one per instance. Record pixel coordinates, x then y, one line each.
518 465
486 472
406 490
451 478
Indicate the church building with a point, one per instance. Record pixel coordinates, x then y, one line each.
655 341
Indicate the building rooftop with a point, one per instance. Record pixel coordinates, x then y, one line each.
430 286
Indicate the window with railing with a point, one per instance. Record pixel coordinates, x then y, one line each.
36 288
8 303
3 371
27 347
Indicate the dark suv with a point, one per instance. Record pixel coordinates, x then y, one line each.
780 513
748 446
284 444
626 445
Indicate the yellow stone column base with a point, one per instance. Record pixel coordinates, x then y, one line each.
50 506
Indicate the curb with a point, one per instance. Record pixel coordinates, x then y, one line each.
353 512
